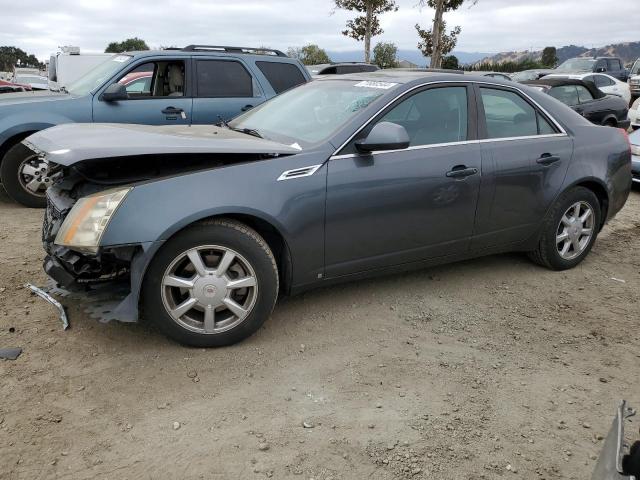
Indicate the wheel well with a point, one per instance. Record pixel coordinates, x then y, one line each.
603 197
11 141
611 121
274 239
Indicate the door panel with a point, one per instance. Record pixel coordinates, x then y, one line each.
398 207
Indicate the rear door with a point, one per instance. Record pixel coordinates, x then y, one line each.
525 156
223 88
400 206
159 94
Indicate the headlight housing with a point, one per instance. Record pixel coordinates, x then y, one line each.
82 229
635 150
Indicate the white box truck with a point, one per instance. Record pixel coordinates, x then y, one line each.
67 65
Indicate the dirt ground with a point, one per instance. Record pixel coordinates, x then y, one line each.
491 368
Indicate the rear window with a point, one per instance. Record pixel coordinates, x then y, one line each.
281 76
223 79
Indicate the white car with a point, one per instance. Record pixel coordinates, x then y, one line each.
634 114
604 82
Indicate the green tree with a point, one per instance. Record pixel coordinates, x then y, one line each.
385 55
436 42
450 62
549 57
12 56
309 54
367 25
129 45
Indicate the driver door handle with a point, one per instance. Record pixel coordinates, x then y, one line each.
461 171
172 111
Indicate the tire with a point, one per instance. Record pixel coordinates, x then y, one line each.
15 183
208 291
548 253
610 122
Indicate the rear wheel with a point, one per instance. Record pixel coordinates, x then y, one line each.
569 231
25 176
211 285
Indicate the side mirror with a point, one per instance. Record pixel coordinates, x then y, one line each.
115 92
601 70
384 136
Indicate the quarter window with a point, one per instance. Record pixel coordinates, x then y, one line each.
281 76
567 94
602 81
223 79
437 115
584 95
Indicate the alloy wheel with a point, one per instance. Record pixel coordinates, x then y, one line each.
575 230
33 175
209 289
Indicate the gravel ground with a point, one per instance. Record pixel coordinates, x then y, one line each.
491 368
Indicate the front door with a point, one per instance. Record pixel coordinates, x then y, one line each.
401 206
158 95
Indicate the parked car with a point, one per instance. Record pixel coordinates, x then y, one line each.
634 114
634 79
634 138
68 65
527 75
35 82
605 83
341 68
10 88
585 98
341 178
15 86
610 65
194 85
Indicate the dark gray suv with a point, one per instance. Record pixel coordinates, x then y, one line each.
338 179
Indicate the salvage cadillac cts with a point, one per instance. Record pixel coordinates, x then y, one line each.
341 178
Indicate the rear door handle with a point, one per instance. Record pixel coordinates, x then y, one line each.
172 111
547 159
461 171
246 107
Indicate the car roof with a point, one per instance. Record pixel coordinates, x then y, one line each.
559 82
579 75
173 52
412 75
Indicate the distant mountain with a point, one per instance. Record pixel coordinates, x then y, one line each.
413 56
628 51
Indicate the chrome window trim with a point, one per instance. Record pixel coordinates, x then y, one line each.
449 144
563 132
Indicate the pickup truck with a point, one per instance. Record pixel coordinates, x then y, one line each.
634 80
198 84
610 65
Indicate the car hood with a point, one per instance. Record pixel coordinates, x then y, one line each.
71 143
33 96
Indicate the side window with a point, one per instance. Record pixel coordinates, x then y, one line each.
437 115
223 79
602 81
613 64
601 64
584 95
544 127
507 114
155 79
281 76
567 94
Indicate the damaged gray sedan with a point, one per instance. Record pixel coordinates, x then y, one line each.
339 179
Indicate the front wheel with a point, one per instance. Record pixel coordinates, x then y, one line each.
569 230
25 176
212 284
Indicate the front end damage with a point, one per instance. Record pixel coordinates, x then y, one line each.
90 159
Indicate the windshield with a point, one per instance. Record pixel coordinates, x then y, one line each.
577 64
96 76
524 76
30 79
312 112
635 70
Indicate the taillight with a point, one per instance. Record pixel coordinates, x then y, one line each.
625 134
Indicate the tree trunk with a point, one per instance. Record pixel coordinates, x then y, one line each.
367 34
436 56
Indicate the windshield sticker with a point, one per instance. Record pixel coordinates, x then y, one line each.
382 85
121 58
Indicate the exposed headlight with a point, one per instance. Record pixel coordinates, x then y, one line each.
635 150
87 220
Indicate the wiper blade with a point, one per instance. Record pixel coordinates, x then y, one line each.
248 131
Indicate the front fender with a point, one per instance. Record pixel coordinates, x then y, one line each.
157 210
